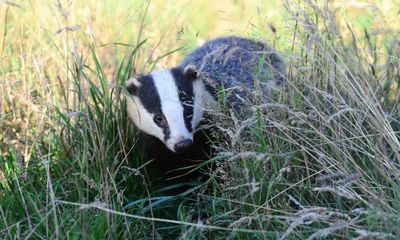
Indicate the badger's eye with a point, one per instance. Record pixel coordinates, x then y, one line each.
188 114
159 119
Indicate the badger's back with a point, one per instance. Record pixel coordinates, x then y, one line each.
238 64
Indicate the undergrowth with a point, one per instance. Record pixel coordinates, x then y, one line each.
318 158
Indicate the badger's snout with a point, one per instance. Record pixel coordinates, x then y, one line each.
183 145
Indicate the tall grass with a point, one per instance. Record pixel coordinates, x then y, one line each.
318 158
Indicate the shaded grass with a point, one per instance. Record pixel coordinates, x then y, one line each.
318 158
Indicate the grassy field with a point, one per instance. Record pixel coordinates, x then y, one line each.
318 159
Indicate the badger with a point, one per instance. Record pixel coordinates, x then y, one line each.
168 105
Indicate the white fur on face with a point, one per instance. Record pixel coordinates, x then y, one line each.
171 107
198 90
140 116
203 101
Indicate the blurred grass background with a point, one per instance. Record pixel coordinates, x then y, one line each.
58 59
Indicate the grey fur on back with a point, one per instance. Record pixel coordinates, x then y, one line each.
238 64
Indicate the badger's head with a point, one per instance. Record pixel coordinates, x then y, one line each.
167 104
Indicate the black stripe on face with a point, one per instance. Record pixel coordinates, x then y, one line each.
185 91
148 96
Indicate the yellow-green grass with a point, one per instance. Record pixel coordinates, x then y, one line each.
320 158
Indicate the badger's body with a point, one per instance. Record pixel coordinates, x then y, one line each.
169 104
236 63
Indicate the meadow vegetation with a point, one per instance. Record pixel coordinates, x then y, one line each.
319 158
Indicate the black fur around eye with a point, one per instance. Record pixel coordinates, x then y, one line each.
188 114
159 119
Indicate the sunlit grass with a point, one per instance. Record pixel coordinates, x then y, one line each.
319 158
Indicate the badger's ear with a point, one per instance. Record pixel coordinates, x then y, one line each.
191 72
132 86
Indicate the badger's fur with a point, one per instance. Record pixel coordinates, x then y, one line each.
166 104
169 104
237 63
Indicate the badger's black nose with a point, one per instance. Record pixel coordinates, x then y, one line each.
183 145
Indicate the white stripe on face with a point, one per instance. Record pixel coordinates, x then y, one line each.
171 107
198 90
142 118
